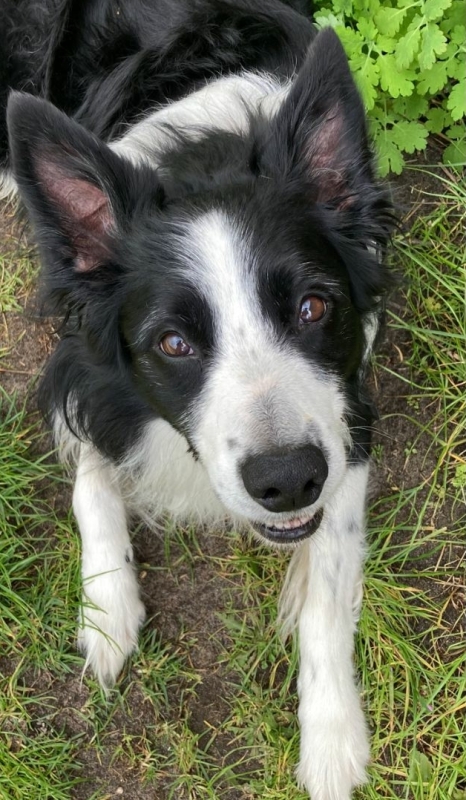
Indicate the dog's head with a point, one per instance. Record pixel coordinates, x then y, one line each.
232 292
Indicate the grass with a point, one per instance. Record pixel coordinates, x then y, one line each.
16 279
436 303
33 540
61 738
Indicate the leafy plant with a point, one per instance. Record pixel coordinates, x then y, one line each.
409 61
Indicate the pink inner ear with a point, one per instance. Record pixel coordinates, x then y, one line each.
84 210
326 158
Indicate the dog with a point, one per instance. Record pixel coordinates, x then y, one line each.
200 184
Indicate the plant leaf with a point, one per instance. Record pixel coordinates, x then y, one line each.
434 79
457 69
410 136
407 48
458 35
433 9
367 79
389 155
421 767
367 29
433 42
391 80
411 107
390 20
386 43
456 102
325 18
437 120
455 153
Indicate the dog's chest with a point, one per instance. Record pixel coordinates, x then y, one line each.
161 476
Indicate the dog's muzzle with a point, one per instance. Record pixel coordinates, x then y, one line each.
287 480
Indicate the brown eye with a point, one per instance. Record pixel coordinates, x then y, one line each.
172 344
312 309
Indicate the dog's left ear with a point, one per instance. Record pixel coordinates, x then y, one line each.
319 133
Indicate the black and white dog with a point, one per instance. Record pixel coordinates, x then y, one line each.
212 235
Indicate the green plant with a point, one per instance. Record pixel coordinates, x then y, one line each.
409 61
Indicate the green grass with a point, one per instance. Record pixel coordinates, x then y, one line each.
56 733
436 322
15 281
35 629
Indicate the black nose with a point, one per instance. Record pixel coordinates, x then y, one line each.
286 480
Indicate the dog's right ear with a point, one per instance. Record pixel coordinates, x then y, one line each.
78 193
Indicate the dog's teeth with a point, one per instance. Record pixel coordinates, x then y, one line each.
290 524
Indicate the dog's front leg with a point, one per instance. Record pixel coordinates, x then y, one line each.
112 611
334 740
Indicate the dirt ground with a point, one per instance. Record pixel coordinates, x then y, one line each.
181 604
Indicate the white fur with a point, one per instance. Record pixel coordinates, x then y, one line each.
223 104
371 321
111 612
160 476
8 187
371 327
324 601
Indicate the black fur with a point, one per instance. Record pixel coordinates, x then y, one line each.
105 63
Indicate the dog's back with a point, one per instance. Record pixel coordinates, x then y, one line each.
104 62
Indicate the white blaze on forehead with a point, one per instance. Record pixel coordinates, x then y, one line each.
254 373
222 268
268 384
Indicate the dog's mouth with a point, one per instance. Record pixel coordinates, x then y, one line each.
292 530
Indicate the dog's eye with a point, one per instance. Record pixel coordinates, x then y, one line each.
172 344
312 309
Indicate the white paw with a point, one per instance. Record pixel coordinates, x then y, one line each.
334 755
110 618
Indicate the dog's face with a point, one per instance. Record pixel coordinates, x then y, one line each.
246 346
233 289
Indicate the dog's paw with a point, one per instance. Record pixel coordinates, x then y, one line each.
334 757
111 615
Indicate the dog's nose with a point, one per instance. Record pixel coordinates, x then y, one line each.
286 480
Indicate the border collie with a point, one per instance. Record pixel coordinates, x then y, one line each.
200 184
